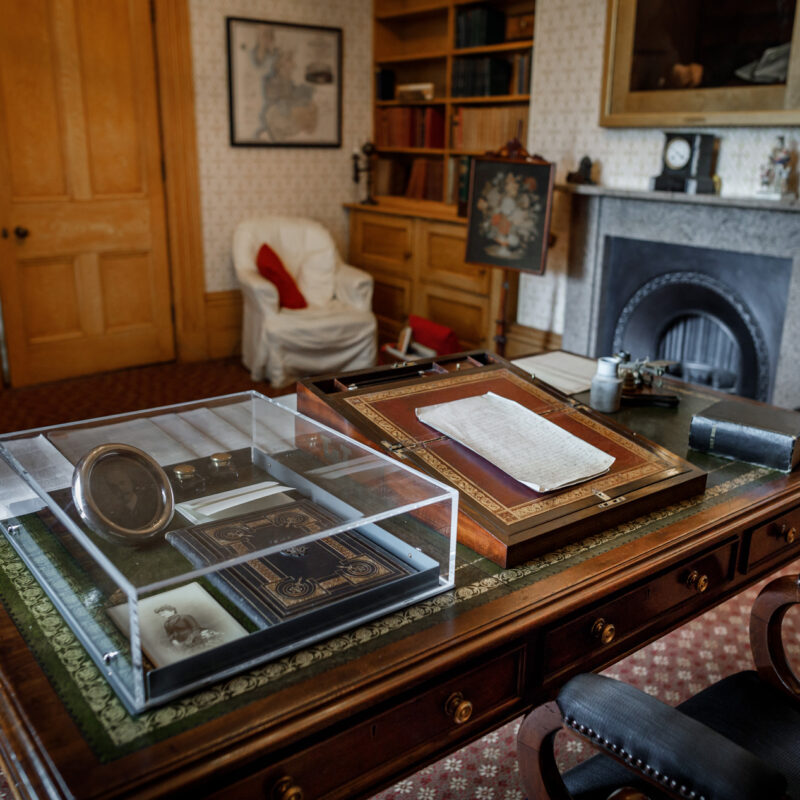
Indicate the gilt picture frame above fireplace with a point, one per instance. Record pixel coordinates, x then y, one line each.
700 63
284 84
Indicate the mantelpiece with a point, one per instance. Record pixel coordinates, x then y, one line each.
727 230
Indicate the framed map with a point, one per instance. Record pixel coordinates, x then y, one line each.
284 84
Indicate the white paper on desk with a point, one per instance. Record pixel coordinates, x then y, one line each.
518 441
568 372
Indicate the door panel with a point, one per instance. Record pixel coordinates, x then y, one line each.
87 289
127 299
108 84
28 70
49 292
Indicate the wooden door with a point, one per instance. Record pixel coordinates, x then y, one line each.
84 278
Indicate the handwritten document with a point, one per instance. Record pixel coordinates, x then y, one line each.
523 444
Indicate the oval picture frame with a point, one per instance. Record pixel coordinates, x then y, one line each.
122 494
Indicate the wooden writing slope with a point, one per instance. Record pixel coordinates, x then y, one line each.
499 517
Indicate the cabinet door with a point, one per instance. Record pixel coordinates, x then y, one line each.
467 314
441 248
379 241
391 303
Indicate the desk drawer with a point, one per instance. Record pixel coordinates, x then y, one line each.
438 714
609 626
777 537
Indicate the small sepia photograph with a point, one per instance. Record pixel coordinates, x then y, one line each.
179 623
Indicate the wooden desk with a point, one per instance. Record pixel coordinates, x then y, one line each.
356 713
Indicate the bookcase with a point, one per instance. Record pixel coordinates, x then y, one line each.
452 80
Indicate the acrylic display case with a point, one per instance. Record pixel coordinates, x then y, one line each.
186 543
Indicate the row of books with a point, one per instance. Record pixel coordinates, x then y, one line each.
480 128
521 73
418 178
408 126
426 179
479 25
482 76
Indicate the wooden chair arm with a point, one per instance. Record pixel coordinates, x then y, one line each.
541 779
766 618
537 763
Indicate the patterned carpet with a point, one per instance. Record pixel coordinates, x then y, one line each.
125 390
671 668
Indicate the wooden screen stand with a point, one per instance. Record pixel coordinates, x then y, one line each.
513 149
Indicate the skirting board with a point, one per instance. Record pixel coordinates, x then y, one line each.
224 323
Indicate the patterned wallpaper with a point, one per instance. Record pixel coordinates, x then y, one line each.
236 182
565 105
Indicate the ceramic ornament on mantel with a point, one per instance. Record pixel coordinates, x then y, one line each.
775 172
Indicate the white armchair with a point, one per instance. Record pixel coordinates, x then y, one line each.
337 331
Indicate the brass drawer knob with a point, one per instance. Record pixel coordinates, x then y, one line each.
789 533
697 581
286 789
458 708
604 631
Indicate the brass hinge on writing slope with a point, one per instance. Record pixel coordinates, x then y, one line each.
400 448
607 499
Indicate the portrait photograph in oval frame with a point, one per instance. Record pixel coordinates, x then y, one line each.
122 494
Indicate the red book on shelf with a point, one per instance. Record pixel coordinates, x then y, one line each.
434 127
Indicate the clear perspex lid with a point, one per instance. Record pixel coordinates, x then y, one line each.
185 543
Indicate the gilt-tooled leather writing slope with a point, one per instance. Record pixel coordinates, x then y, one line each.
499 516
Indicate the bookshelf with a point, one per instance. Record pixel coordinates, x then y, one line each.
471 65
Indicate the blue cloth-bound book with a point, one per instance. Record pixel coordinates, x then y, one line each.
752 432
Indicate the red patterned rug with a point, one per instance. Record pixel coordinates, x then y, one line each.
672 668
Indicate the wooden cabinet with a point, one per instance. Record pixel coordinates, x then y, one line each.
418 267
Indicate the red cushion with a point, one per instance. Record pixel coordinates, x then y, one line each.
431 334
271 267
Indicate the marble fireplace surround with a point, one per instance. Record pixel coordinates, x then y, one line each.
738 225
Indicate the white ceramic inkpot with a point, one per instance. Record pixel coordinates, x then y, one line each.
606 389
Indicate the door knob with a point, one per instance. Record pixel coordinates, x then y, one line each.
20 232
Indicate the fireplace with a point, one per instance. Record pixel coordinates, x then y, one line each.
710 283
718 315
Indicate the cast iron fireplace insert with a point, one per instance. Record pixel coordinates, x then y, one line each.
717 314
